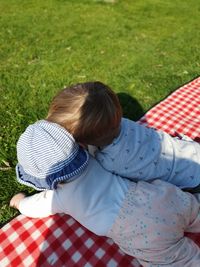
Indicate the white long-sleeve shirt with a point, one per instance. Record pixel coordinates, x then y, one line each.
141 153
93 199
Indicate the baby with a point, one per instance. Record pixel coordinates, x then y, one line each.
91 112
146 220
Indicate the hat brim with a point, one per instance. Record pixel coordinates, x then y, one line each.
69 172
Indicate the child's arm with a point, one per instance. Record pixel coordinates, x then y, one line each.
39 205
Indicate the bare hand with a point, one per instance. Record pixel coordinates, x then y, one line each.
14 202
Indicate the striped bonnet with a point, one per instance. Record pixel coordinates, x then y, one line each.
47 155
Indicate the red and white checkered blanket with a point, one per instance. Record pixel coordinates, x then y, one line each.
59 240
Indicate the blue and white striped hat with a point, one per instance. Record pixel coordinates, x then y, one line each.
47 155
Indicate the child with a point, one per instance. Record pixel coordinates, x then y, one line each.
146 220
92 114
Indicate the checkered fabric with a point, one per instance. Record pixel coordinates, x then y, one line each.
179 113
59 240
56 241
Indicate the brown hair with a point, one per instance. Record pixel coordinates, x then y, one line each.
90 111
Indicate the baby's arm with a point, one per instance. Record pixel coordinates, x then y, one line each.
39 205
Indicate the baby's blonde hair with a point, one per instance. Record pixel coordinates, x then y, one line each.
90 111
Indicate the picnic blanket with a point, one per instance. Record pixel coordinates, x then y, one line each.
61 241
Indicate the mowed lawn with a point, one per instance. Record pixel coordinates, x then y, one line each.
143 49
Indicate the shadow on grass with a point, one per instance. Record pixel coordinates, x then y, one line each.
130 106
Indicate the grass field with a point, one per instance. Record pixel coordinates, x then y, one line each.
143 49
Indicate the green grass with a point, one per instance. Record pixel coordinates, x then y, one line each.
143 49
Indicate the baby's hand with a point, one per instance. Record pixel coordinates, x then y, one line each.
14 202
